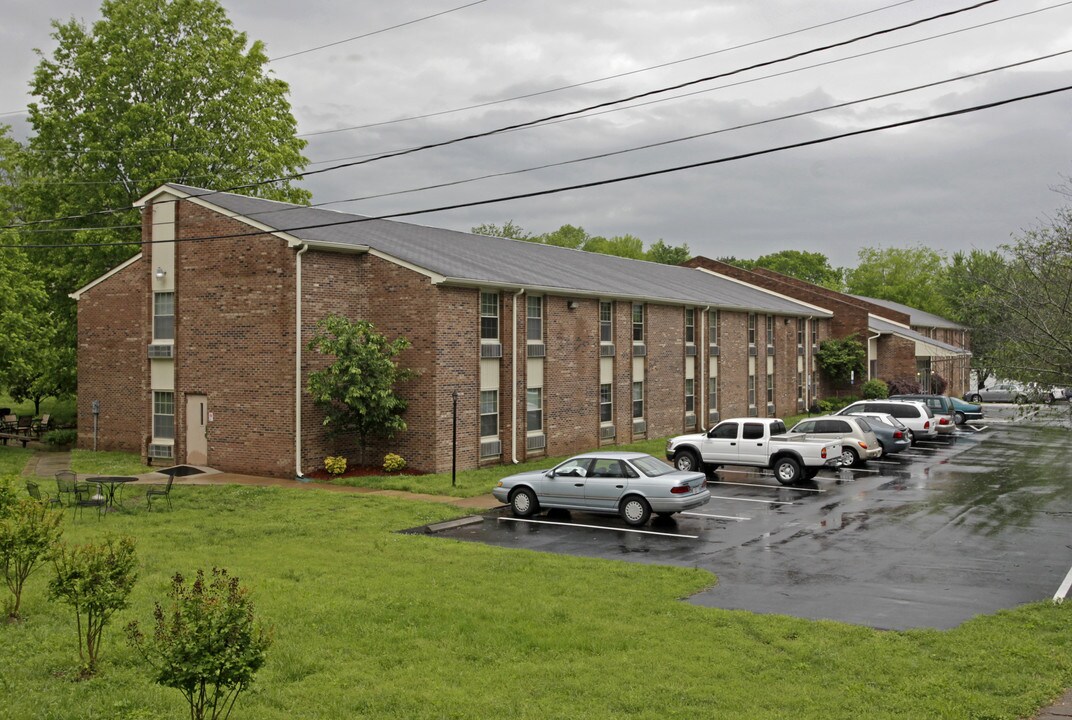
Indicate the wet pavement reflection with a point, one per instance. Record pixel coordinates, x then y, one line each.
927 538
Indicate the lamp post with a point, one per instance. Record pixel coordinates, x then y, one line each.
454 440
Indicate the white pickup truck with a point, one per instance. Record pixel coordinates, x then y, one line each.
755 442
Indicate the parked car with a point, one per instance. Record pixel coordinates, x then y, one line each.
916 415
754 442
965 411
858 441
893 435
940 405
1013 392
632 485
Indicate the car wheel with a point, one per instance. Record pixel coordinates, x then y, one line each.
958 417
635 510
686 460
1019 399
523 502
976 398
849 457
1048 398
787 470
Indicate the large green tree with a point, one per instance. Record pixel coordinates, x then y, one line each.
155 91
968 285
576 238
813 267
909 275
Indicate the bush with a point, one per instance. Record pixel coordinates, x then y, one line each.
29 531
904 386
831 405
58 438
393 463
336 464
875 389
206 644
938 384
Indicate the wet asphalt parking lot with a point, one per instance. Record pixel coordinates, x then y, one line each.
927 538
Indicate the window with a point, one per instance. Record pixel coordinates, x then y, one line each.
800 331
814 333
690 326
751 328
690 395
164 316
534 409
489 316
751 391
770 388
606 407
712 393
752 431
800 386
724 431
535 318
638 322
164 415
712 327
638 399
770 329
489 413
606 322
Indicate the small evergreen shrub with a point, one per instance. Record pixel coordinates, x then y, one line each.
875 389
833 404
393 463
60 438
335 464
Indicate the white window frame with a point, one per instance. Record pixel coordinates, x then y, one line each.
163 415
495 412
157 315
690 326
690 396
489 300
606 401
638 309
751 329
639 383
606 327
534 303
529 410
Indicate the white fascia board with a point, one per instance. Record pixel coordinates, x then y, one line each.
435 277
197 199
887 320
816 308
330 246
80 291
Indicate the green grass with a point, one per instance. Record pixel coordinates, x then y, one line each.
13 459
107 463
64 412
372 624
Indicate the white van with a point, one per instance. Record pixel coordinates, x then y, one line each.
914 414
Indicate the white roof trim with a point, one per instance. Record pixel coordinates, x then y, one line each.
436 278
331 246
768 292
77 294
197 199
891 322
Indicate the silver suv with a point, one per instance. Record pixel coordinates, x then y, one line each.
858 441
917 416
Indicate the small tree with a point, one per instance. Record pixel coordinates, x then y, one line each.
29 531
874 389
356 392
840 358
206 644
938 384
905 386
95 580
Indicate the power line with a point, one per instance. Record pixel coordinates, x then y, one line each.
624 151
579 186
583 83
556 116
376 32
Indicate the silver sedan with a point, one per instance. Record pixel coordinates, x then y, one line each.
632 485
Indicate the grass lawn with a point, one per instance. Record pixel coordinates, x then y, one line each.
372 624
63 412
107 463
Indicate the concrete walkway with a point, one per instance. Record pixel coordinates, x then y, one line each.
47 464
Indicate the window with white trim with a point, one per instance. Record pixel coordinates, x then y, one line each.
534 410
751 328
534 314
489 316
770 388
163 415
606 322
489 413
712 393
164 316
800 386
606 407
638 322
770 329
690 396
712 327
690 326
800 332
751 390
814 333
638 399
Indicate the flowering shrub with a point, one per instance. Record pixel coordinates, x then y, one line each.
393 463
336 465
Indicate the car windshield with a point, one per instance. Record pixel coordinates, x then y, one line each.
650 466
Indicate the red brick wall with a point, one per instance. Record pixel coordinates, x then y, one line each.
571 375
664 383
113 364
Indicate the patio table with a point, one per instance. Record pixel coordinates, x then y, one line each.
108 484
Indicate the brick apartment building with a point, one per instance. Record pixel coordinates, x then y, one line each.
194 351
902 342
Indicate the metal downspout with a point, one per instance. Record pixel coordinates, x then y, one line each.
297 363
703 370
513 389
873 337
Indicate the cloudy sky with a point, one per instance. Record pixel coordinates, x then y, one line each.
958 183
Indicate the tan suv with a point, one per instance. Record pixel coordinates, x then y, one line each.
858 441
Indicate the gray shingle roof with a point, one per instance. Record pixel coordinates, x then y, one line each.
878 325
917 317
475 259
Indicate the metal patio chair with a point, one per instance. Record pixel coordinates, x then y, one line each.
88 495
42 497
159 491
65 480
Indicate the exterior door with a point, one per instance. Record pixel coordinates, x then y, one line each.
196 430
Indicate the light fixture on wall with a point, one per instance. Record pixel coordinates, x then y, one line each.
572 304
160 273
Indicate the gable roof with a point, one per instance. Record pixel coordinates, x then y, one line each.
918 317
877 324
468 259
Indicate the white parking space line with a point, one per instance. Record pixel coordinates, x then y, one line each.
768 487
1062 591
738 518
765 502
870 470
596 527
884 462
978 429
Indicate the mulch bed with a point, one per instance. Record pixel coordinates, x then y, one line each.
357 471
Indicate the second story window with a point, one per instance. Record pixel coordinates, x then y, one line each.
712 327
690 326
800 331
814 333
690 396
751 328
605 403
770 329
535 318
489 316
770 388
164 316
638 399
606 322
638 322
